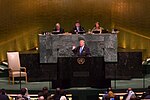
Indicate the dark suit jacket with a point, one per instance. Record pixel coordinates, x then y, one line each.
3 97
81 30
85 52
54 31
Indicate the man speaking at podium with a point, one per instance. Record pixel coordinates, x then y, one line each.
82 50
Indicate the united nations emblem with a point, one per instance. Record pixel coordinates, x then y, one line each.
81 60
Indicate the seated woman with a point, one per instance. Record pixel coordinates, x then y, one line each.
57 29
97 28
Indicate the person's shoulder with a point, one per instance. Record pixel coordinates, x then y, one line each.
4 97
86 47
62 30
63 98
74 27
26 97
147 96
93 28
54 29
82 28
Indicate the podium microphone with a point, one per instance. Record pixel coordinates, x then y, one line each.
57 49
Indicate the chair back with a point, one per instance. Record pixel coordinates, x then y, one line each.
13 60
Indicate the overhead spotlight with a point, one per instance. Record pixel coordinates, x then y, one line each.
148 59
1 68
5 63
143 62
146 62
36 48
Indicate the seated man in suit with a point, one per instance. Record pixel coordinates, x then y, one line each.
78 28
57 29
82 50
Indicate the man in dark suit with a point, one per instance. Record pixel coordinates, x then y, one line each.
78 29
82 50
57 29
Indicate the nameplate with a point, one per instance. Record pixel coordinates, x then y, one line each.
80 74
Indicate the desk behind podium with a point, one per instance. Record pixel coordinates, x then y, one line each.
81 72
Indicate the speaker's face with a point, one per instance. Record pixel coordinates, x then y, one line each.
82 43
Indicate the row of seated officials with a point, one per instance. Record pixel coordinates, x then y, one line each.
60 94
79 29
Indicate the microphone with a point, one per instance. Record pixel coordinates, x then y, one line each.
57 52
57 49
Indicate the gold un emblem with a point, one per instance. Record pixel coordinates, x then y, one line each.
81 60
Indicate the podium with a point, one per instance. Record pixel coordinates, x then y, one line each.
81 72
